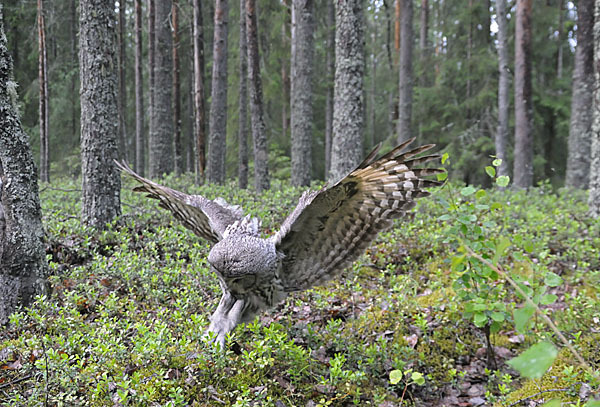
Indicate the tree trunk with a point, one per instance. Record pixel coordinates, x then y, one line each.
139 93
348 116
243 95
330 77
43 101
580 126
559 39
218 106
23 265
424 27
303 18
406 72
594 196
151 73
74 61
123 144
370 138
261 153
199 93
501 139
285 80
99 86
523 165
161 135
176 91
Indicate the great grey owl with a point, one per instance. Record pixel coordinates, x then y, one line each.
327 230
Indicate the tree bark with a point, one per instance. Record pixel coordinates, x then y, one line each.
161 135
285 78
424 27
594 196
523 165
406 72
151 73
370 139
218 107
99 86
330 77
123 144
501 138
176 91
43 95
261 153
303 19
348 116
199 93
580 126
139 93
23 265
243 103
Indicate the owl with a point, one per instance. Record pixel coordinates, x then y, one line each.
328 229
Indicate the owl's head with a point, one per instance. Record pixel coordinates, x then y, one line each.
240 260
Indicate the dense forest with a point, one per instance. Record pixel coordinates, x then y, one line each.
487 293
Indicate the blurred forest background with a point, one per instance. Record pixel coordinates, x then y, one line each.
454 96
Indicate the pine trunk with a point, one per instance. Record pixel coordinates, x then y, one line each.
199 92
243 103
580 127
523 165
161 135
43 95
348 117
23 265
139 93
176 91
594 197
218 106
330 77
501 138
123 143
259 136
151 73
406 72
303 19
99 87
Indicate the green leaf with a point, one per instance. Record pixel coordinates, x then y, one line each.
445 157
480 319
501 246
417 378
442 176
498 316
491 171
552 279
535 361
480 194
593 403
522 316
466 191
503 180
445 217
548 299
395 376
497 162
552 403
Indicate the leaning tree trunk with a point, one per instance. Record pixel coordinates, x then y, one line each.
523 165
22 257
501 138
303 20
161 119
99 88
406 72
580 127
139 93
218 106
594 197
348 118
259 136
243 103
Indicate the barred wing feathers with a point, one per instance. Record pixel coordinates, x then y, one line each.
330 228
206 218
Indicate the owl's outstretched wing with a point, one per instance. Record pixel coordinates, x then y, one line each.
206 218
332 227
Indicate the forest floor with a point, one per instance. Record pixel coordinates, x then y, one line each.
122 323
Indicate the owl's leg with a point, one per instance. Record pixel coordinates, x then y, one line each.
226 317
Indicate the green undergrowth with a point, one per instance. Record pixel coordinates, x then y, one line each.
123 319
